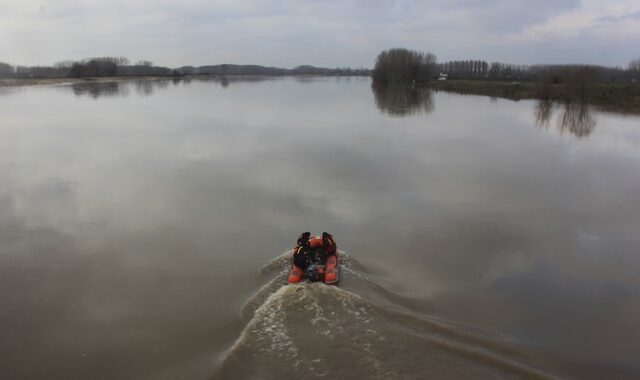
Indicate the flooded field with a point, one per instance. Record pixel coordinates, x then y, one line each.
144 230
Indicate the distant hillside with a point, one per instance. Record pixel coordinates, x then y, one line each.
229 69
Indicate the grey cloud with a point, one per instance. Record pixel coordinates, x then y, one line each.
610 19
288 33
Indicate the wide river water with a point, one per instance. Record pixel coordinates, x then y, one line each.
144 230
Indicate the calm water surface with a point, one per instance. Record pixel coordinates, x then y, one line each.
144 225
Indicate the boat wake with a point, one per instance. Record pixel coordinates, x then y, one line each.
356 330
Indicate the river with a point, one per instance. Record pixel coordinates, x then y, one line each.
145 228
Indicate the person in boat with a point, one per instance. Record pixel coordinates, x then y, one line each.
305 250
301 252
329 245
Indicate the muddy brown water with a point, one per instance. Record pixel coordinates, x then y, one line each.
144 229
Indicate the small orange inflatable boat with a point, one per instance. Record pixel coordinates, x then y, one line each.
326 270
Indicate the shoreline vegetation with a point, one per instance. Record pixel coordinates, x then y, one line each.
110 67
613 89
614 97
115 69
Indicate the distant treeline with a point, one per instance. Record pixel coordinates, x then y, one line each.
120 66
477 69
228 69
408 66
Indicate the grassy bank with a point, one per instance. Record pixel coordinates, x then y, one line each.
619 97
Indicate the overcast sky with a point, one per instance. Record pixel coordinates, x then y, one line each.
330 33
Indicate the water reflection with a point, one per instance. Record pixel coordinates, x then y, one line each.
146 87
226 80
119 88
6 90
397 100
125 236
543 111
99 89
575 117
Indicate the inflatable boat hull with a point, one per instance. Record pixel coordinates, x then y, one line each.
329 273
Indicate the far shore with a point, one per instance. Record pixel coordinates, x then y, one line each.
46 81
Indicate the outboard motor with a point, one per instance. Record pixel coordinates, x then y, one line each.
311 273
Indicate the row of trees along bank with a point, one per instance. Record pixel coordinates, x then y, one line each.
405 66
120 66
605 85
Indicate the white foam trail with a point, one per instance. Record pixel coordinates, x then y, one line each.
282 261
261 295
268 326
297 326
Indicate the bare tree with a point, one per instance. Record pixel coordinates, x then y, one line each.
6 70
568 82
634 70
403 66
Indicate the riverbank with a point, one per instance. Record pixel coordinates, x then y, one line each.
618 97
